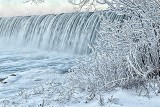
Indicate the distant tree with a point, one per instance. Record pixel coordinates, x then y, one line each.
89 4
34 1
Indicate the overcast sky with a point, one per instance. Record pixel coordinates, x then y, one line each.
19 8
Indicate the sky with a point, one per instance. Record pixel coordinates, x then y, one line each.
19 8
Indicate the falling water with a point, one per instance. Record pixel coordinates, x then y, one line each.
30 42
70 32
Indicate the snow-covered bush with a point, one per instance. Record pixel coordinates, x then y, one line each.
126 52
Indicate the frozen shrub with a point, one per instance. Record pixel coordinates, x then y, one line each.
126 52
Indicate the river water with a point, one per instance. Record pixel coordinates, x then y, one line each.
21 60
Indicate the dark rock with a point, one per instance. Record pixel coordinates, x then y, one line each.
2 79
13 75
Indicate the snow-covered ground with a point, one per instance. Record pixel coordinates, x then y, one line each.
28 79
34 88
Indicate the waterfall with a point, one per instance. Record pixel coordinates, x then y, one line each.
70 32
